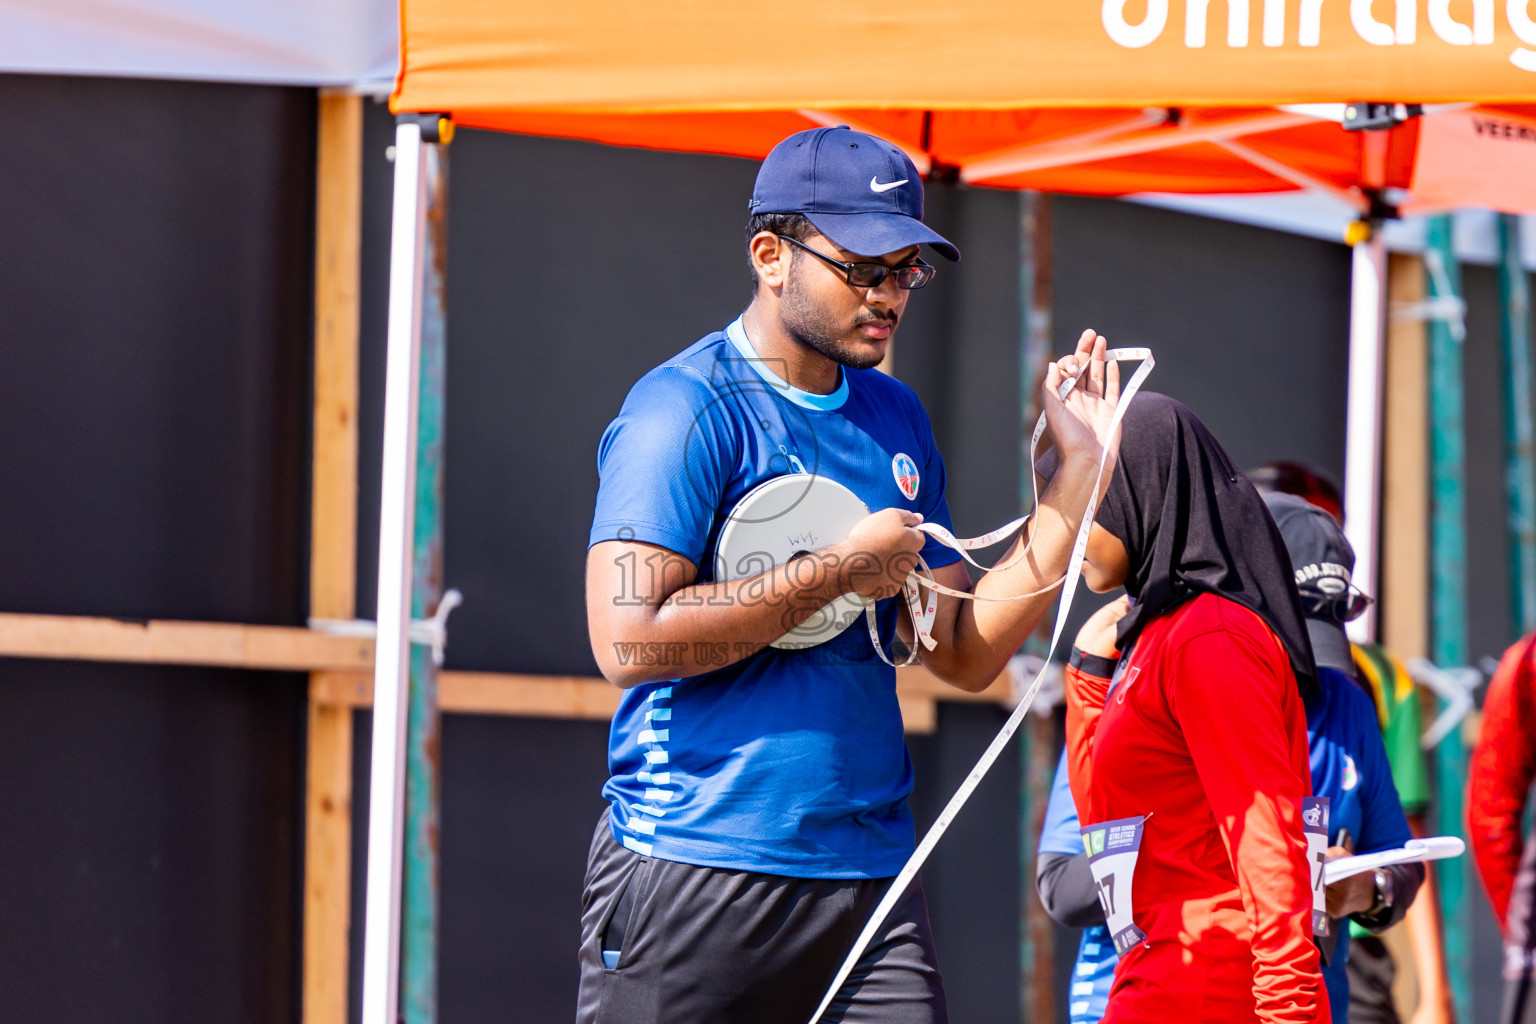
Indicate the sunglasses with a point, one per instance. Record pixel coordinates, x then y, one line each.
872 275
1344 607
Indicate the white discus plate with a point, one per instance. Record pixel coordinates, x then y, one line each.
781 519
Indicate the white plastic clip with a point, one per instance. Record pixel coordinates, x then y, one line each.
431 632
1452 685
1446 306
1053 690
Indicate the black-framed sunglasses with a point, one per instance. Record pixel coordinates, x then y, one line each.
1344 607
872 275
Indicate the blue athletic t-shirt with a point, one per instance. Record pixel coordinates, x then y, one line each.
786 762
1350 768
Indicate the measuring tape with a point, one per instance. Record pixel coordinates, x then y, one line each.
1074 570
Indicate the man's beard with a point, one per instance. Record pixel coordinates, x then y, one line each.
811 325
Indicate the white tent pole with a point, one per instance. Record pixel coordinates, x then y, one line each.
386 799
1363 427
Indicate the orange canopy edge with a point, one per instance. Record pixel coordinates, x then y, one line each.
1090 96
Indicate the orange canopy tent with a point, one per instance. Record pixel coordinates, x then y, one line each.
1104 97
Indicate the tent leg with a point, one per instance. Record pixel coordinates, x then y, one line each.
1449 589
1519 480
418 954
1362 442
381 944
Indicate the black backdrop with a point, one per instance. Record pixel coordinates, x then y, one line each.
155 245
155 248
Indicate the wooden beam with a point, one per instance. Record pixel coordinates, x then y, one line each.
1405 474
338 243
919 715
215 644
333 551
342 667
580 697
327 862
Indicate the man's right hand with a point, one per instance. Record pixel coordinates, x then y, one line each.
880 552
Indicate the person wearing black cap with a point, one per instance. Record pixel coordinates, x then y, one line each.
758 794
1349 761
1371 968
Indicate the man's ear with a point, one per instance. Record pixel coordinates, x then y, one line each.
770 258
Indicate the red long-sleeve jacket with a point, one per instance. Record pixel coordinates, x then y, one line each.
1503 766
1206 735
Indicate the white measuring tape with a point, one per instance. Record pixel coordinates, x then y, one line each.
994 750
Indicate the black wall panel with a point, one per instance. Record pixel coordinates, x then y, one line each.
520 800
151 862
155 249
1490 616
972 881
1250 326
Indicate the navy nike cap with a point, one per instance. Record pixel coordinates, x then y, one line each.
860 191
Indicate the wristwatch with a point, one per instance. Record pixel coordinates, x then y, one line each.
1383 880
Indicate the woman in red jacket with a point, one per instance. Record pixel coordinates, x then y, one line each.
1202 733
1498 789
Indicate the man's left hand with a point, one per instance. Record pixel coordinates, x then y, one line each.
1080 423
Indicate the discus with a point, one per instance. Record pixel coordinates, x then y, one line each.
786 518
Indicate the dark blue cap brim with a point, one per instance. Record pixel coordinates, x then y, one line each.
875 234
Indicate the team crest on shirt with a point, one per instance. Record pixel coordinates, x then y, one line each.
905 472
1351 774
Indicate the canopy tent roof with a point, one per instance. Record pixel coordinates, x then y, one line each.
1099 151
1105 98
482 58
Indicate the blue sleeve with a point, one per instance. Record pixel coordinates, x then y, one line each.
1061 833
663 464
932 504
1382 823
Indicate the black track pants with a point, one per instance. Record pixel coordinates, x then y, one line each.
713 946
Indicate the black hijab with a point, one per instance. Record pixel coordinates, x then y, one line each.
1191 523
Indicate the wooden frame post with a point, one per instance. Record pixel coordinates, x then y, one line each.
1037 763
333 553
1404 593
1519 428
1448 594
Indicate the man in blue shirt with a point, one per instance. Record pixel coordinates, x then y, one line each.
758 794
1348 765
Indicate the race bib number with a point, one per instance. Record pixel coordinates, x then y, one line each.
1113 847
1314 822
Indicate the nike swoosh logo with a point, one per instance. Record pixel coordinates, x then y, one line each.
875 186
